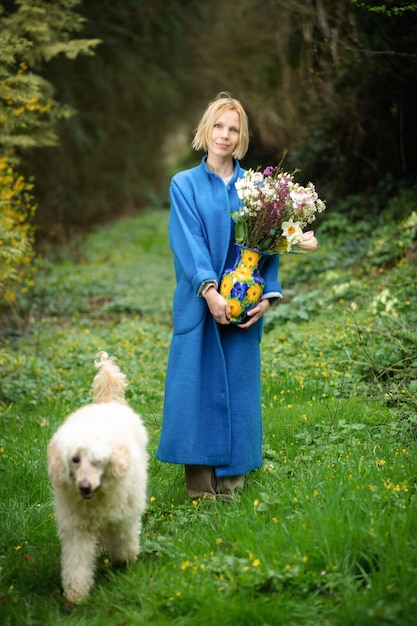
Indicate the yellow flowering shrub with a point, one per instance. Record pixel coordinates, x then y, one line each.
28 111
16 232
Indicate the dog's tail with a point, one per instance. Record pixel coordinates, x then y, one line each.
110 383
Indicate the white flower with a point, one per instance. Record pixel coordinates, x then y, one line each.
411 221
385 302
301 198
246 187
292 232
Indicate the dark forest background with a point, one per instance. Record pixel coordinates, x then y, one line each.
332 82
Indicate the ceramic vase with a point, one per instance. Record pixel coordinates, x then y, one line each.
242 285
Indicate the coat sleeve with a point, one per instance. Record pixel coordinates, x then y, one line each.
270 275
187 238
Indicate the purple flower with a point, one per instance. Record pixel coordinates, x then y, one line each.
257 277
239 291
269 170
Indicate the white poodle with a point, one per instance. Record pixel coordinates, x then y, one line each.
98 464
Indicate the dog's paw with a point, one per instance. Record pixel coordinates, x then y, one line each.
68 607
75 595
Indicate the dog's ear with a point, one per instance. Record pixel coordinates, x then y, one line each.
56 466
119 460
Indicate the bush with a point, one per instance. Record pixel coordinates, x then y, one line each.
16 233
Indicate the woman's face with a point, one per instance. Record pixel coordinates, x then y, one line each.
224 135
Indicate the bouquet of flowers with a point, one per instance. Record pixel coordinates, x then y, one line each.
274 210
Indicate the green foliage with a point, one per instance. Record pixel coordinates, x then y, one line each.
361 286
112 158
361 103
28 111
31 33
386 8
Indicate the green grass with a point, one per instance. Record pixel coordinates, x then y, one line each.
324 534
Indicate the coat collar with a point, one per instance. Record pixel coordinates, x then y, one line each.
210 173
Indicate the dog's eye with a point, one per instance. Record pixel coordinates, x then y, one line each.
75 459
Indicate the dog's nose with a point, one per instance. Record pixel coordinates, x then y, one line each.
85 488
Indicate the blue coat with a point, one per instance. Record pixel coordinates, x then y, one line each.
212 406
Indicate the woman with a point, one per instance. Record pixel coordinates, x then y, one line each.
212 420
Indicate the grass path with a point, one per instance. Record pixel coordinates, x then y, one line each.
323 534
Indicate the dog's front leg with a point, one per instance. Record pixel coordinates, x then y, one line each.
78 561
122 542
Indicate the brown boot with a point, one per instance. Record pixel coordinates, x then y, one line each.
200 480
228 484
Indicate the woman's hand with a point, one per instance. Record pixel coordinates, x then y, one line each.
308 242
256 313
218 306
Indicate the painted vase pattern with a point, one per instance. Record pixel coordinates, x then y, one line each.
242 285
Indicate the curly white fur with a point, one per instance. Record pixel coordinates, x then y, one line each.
98 463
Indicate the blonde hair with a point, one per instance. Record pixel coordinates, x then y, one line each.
222 103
